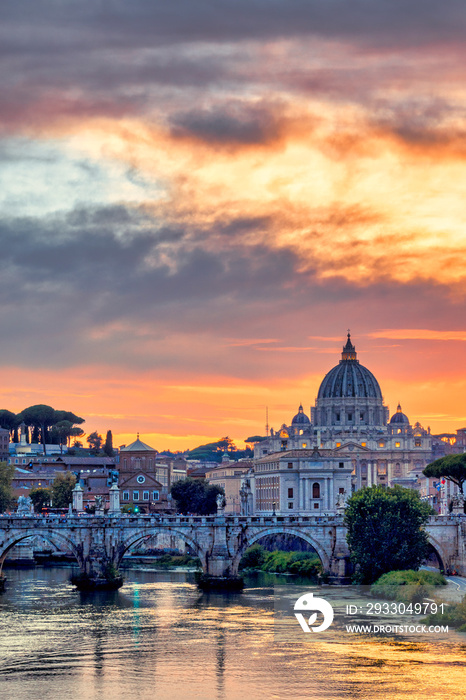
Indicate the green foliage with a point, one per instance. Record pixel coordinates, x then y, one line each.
62 487
8 420
7 472
108 447
213 451
407 586
253 558
386 531
454 616
167 561
255 438
40 498
451 467
42 417
278 561
195 496
94 440
110 572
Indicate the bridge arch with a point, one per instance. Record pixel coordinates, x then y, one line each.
147 533
439 552
55 538
252 536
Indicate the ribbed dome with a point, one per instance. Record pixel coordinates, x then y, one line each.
349 378
300 418
399 417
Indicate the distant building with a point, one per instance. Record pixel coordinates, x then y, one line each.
144 479
142 491
4 444
229 475
300 481
351 421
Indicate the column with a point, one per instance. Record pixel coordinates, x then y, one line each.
77 494
301 494
114 494
369 474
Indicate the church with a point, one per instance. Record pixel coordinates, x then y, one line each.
349 441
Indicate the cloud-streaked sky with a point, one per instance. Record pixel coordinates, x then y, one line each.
199 197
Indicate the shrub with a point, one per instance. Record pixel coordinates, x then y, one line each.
407 586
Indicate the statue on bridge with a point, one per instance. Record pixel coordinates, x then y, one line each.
220 504
341 502
25 506
246 499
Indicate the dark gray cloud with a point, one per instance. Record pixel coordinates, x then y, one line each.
111 285
149 22
230 124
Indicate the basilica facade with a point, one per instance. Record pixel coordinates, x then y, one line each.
349 428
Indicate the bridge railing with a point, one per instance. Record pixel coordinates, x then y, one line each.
38 521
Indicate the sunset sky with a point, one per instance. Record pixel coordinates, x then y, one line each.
200 197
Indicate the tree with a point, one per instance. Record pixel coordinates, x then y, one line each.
75 433
385 531
62 487
39 416
94 440
196 496
40 498
61 432
6 492
108 447
42 417
452 468
8 421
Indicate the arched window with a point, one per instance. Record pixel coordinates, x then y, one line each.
316 490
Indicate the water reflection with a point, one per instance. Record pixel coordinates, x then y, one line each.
160 637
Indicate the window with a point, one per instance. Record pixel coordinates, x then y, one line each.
290 493
145 495
417 443
341 465
290 505
155 495
135 495
361 416
397 444
338 444
316 490
338 416
304 444
363 444
399 431
381 443
290 465
341 490
350 416
316 505
125 496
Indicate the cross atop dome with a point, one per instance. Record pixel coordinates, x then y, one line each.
349 351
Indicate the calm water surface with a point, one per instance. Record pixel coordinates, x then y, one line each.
159 637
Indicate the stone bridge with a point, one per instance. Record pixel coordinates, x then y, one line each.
100 542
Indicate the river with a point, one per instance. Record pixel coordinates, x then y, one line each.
159 637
